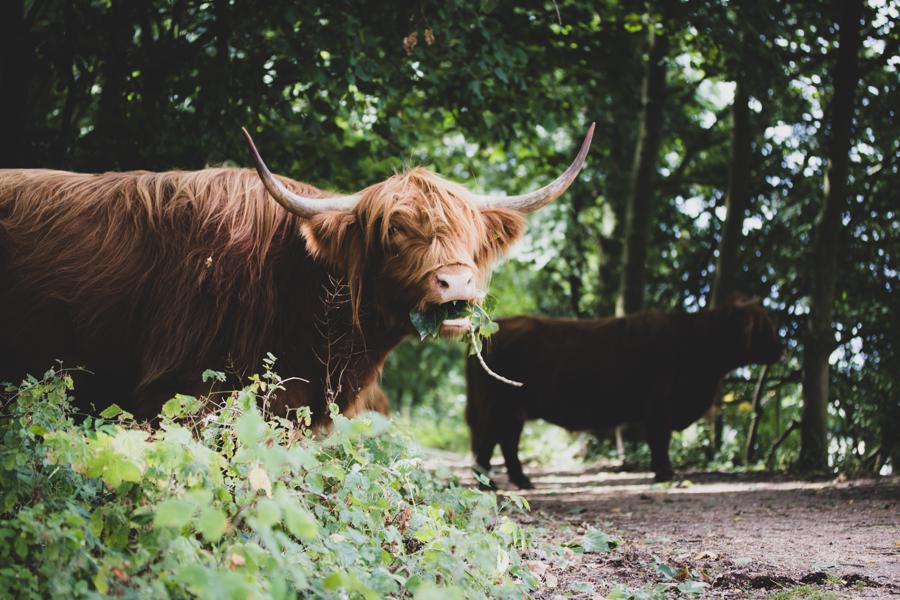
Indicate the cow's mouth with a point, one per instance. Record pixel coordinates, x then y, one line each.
447 319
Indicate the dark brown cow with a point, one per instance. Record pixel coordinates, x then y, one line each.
660 369
147 279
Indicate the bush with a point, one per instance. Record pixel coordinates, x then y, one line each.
219 501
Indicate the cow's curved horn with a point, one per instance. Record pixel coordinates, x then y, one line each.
539 198
299 205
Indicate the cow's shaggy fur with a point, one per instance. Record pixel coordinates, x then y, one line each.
658 369
146 278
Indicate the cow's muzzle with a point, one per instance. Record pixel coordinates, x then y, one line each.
449 284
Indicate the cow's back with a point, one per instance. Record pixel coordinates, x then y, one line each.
579 374
137 276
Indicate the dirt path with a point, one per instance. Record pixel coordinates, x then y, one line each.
742 535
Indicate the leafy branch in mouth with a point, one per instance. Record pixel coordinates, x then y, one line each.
476 317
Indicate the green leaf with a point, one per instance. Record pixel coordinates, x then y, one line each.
582 587
96 523
435 592
210 374
181 405
692 587
334 581
596 541
173 513
665 570
211 524
250 428
300 522
111 411
428 323
268 513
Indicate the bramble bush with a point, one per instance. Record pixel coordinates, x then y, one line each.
220 501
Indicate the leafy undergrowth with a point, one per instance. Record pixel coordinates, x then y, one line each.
219 502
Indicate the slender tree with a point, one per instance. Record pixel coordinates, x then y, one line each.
736 203
737 198
15 65
819 341
638 218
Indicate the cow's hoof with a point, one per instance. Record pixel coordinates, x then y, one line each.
483 478
490 486
663 477
522 482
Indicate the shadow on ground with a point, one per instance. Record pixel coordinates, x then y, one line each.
742 534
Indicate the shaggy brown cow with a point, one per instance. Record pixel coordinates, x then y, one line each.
661 369
146 278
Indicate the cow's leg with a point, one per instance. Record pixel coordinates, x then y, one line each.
509 444
483 449
659 433
483 443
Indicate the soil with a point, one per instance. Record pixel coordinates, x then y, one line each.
743 535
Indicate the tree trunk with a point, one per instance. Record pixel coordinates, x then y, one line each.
639 213
737 199
111 142
890 416
819 341
736 202
15 61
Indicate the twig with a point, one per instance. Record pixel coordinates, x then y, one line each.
770 459
484 366
558 16
752 434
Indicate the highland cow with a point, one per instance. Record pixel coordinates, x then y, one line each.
659 369
146 279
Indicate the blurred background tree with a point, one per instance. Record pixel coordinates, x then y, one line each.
717 123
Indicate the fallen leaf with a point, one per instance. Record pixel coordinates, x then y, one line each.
236 560
537 568
550 580
259 480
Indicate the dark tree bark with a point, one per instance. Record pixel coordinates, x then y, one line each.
736 202
111 141
15 61
638 217
737 198
819 342
890 416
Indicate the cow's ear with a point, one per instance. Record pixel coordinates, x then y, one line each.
332 237
503 227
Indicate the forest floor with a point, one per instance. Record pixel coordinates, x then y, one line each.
743 535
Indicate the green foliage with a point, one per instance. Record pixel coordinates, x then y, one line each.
220 501
481 323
